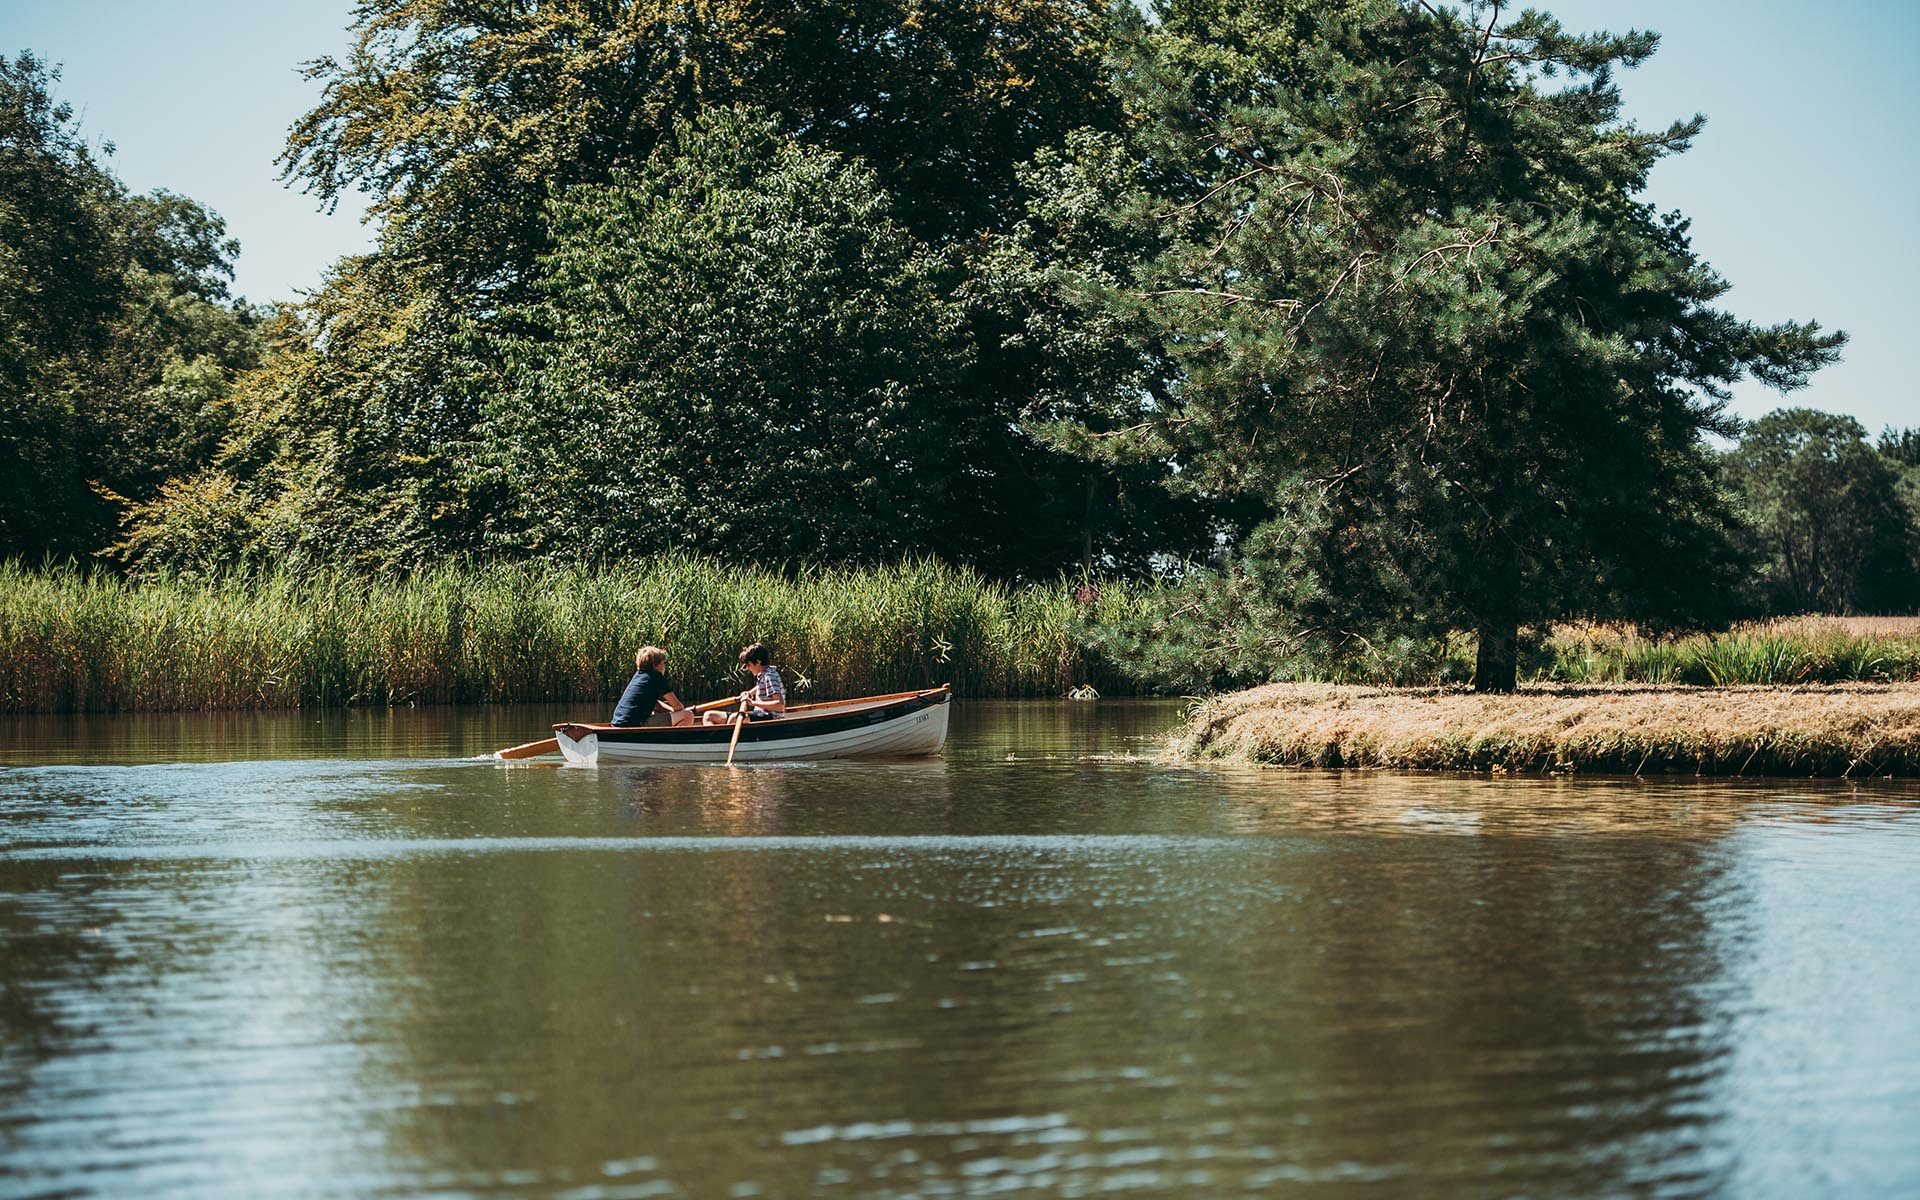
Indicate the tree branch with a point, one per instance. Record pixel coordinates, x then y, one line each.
1218 295
1480 54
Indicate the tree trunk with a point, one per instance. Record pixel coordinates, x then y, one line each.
1496 666
1086 526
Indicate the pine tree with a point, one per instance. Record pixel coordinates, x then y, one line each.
1415 306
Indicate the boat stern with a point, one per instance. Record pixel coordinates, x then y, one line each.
580 745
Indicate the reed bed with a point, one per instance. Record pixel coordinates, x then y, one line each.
76 641
1834 730
72 641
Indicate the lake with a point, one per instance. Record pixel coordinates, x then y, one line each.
310 955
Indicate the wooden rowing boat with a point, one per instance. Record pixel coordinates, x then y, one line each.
901 725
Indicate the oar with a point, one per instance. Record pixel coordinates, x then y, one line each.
739 723
549 745
530 750
794 708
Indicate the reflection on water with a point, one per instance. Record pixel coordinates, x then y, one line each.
331 958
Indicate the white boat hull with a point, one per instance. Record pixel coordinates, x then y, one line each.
902 729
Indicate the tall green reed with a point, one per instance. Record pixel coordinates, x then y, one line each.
72 641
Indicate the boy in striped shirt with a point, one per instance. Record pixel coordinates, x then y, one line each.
767 697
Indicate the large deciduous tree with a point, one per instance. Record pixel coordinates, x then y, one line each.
346 443
1832 531
458 116
1417 306
60 284
462 119
736 350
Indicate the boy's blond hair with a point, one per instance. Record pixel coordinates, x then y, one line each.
647 657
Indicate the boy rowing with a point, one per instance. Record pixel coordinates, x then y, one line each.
767 697
649 691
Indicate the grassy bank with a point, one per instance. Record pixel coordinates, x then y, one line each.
1792 650
70 642
1847 729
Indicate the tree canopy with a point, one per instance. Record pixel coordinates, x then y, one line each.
117 337
458 117
482 129
736 350
1415 306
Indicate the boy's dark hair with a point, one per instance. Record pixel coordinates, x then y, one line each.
756 654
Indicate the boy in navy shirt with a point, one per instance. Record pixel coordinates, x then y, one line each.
649 689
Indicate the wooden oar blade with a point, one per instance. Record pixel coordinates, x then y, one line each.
529 750
739 723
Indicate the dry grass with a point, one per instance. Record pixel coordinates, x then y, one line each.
1809 627
1813 627
1834 730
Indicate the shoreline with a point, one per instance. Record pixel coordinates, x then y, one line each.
1848 730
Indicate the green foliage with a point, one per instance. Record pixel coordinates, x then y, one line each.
1901 445
494 138
1809 652
57 250
1355 301
60 285
458 117
117 344
735 347
736 350
344 447
1831 527
1236 625
78 642
1414 309
1088 376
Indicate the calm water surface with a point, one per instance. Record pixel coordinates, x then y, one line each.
304 955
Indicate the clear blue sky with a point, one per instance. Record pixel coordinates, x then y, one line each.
1803 191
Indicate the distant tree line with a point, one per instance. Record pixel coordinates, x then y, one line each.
1350 313
1832 521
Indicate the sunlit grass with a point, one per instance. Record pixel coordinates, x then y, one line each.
1849 729
77 642
1795 650
72 641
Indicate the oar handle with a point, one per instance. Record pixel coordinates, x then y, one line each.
739 723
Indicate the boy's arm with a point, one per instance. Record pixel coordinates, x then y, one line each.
774 703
